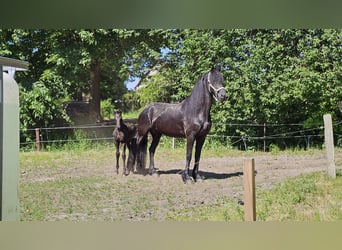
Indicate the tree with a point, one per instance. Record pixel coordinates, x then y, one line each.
73 62
109 55
272 76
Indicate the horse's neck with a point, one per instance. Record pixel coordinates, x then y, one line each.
120 123
200 99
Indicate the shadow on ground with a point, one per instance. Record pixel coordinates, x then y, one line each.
204 174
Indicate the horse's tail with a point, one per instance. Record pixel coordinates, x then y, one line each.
144 125
137 153
141 154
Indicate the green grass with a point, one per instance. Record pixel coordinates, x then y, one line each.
310 197
59 199
86 198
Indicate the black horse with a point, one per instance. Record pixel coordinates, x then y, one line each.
189 119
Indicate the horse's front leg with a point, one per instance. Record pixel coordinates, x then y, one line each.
124 159
198 150
117 146
189 145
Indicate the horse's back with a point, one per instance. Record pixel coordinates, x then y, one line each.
162 118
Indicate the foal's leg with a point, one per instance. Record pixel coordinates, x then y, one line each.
198 150
152 149
117 146
124 158
131 157
189 145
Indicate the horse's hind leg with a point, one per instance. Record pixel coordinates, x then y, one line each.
131 155
152 150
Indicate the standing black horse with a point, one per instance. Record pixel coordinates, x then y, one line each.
189 119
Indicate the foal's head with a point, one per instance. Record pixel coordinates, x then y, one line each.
118 115
216 84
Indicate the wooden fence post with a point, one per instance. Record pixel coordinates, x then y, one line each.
329 145
37 139
249 189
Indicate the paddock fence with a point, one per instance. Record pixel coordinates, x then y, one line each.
244 136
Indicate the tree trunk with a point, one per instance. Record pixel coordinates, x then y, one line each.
95 89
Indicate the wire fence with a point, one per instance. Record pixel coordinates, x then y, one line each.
241 135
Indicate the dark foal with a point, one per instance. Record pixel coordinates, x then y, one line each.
123 134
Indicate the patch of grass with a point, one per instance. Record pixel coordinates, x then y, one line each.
57 200
60 158
281 203
224 209
311 197
86 198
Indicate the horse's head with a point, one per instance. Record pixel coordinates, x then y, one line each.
216 84
118 115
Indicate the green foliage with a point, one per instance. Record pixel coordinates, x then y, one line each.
155 91
39 109
72 63
77 141
107 109
274 76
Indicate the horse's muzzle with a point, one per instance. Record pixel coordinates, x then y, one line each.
221 95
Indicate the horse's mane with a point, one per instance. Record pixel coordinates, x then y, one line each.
198 92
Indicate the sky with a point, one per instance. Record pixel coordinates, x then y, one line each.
131 84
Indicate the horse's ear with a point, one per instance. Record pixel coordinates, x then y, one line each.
117 111
217 68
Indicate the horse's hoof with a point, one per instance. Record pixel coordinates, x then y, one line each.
186 178
198 178
154 171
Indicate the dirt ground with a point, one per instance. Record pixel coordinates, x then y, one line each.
224 176
138 197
